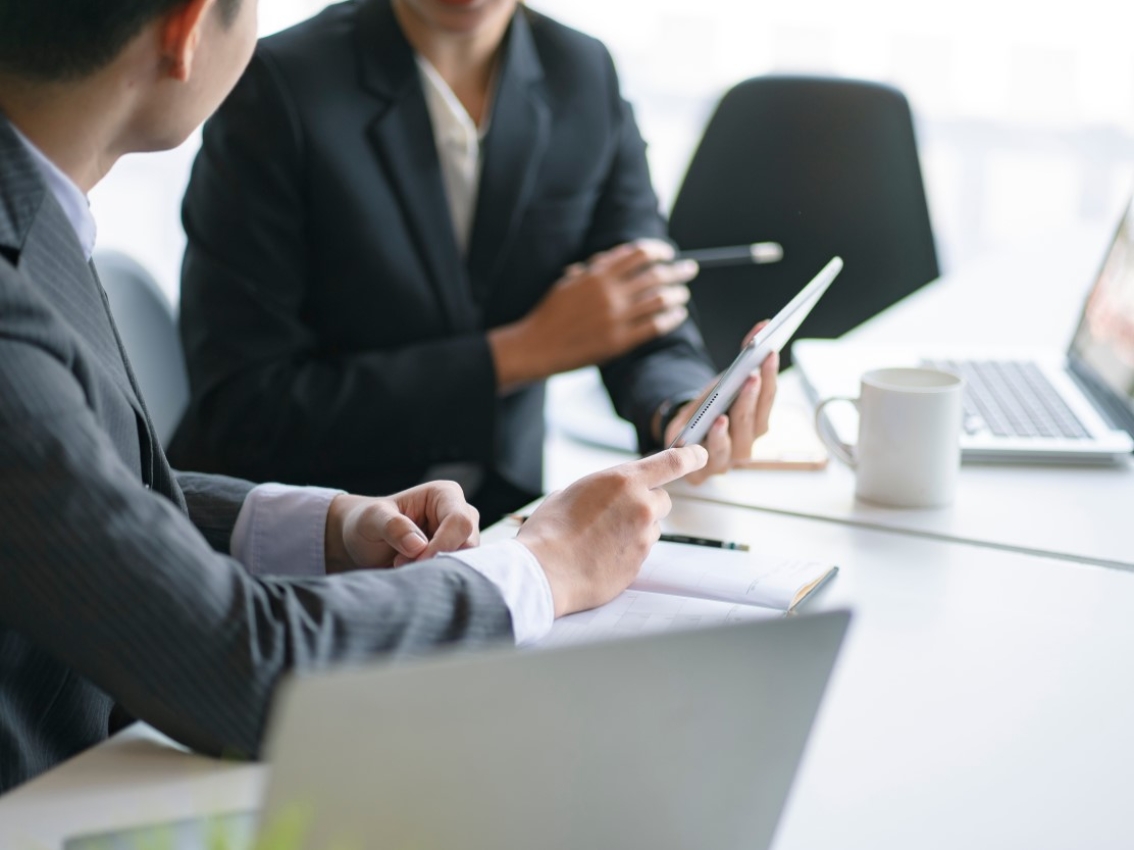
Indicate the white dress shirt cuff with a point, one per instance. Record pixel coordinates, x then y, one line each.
281 530
514 570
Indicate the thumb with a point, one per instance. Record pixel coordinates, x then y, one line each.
406 537
400 532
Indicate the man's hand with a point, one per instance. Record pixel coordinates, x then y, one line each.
617 301
731 437
409 526
592 538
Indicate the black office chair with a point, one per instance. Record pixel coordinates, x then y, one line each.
824 167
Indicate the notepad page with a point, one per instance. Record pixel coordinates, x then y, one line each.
749 578
637 613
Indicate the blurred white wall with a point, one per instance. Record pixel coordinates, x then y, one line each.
1025 117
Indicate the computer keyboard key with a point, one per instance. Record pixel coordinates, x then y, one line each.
1011 399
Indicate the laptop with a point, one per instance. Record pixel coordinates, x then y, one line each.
1030 406
679 740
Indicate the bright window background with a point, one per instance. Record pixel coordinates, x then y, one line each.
1025 116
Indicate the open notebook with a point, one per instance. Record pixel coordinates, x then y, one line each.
686 586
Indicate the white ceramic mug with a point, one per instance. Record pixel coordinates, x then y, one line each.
908 451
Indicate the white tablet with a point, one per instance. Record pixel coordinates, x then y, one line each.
772 338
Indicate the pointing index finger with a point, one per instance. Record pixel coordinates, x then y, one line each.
671 464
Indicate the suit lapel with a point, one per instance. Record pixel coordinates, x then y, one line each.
513 152
402 135
37 237
55 264
21 193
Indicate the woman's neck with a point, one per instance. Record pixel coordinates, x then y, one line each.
465 60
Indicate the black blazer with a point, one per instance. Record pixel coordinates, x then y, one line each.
333 331
109 589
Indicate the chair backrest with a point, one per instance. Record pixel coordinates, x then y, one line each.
147 324
825 167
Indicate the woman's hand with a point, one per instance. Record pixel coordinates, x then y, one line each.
597 311
731 437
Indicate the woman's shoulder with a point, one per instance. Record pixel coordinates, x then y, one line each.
555 40
332 28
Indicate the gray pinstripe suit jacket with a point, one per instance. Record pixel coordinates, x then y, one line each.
114 582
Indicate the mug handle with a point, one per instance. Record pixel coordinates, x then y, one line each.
843 451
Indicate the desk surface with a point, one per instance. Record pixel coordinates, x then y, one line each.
138 777
1029 294
1028 297
981 701
1079 514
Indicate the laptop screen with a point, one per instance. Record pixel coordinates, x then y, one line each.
1104 341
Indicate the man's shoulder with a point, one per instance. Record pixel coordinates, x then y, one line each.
37 353
24 314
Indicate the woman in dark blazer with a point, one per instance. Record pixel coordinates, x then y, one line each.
370 298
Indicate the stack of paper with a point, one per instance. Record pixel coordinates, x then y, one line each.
686 586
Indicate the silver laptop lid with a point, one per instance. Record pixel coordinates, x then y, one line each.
1102 349
682 740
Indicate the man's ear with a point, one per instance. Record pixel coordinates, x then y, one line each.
181 34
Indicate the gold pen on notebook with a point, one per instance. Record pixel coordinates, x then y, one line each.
678 538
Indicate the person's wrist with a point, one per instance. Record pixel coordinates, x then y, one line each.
668 411
335 554
515 355
561 595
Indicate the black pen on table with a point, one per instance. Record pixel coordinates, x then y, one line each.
677 538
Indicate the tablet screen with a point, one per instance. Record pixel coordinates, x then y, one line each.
772 338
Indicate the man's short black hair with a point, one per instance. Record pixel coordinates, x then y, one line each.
59 40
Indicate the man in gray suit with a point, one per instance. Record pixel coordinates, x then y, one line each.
182 598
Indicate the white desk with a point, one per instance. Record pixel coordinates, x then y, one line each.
982 701
1076 513
1079 514
138 777
1029 294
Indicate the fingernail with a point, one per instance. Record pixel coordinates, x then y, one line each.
413 541
688 267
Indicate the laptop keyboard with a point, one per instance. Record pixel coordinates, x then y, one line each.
1010 399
